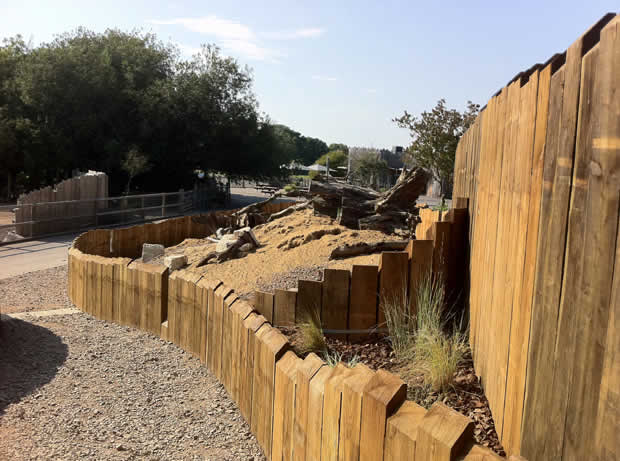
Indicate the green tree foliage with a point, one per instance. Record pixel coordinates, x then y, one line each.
367 168
435 136
338 146
85 99
300 148
134 163
337 158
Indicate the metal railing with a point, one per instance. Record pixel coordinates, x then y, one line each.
47 218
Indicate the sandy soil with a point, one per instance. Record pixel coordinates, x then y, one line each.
272 258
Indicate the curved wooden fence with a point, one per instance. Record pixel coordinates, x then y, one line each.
541 167
297 409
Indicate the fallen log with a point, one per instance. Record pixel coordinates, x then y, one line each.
256 207
361 208
361 248
288 211
410 185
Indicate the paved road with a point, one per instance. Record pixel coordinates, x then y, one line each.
21 257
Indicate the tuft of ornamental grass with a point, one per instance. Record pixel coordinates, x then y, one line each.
423 343
400 324
310 333
334 358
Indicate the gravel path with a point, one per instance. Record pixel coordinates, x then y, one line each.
39 290
73 387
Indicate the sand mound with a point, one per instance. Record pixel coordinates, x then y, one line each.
298 240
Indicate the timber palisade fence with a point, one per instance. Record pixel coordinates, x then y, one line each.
350 302
297 409
48 218
541 169
82 202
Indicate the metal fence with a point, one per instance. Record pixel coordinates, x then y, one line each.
47 218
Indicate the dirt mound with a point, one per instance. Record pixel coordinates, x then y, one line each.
300 239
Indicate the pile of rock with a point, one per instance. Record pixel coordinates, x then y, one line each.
231 244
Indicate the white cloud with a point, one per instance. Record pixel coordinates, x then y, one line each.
370 90
311 32
324 78
250 50
235 37
211 25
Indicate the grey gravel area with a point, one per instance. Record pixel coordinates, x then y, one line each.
73 387
287 280
39 290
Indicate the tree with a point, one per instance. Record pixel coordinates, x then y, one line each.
337 158
368 167
435 136
338 146
135 163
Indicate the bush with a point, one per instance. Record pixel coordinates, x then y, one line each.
311 337
290 188
422 342
313 174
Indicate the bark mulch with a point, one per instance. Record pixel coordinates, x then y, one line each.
465 396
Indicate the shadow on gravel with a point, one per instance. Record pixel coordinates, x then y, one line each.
30 356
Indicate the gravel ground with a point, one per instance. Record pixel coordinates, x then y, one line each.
75 387
40 290
288 280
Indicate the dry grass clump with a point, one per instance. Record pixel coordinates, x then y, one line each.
334 358
423 343
310 334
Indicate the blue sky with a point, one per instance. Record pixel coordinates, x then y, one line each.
341 70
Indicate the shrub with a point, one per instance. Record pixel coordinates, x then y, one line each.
290 188
311 337
422 343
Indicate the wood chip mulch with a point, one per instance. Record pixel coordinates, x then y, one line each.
466 396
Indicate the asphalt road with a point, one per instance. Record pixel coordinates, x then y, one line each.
22 257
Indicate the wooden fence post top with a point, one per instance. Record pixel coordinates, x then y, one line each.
254 321
387 389
288 364
407 419
275 341
480 453
358 378
223 291
209 284
242 308
230 299
339 373
443 434
320 378
145 267
310 365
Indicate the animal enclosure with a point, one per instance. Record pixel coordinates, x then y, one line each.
541 167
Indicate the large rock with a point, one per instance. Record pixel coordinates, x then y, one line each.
151 251
247 234
246 247
225 243
174 262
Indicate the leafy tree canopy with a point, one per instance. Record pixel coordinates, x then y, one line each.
338 146
86 99
435 136
336 158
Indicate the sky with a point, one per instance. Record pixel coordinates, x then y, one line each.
341 70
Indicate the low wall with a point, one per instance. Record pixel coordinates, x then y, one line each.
349 302
295 408
91 185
